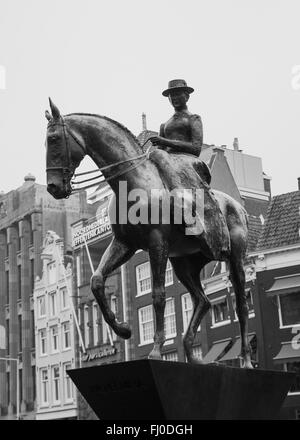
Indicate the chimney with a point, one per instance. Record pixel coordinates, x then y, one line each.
144 122
29 179
236 144
299 183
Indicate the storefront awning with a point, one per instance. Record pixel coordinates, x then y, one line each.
215 351
286 284
235 351
288 352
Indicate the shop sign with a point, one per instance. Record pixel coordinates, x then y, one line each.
108 351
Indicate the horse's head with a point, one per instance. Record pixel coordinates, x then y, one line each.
65 150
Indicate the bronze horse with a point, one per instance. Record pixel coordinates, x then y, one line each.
114 149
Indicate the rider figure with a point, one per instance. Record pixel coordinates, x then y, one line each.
183 132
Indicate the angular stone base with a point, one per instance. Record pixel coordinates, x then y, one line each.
162 390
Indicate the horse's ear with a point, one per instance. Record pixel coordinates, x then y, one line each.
54 110
48 116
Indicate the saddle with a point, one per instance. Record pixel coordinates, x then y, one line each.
185 171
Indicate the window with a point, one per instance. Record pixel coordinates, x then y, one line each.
187 310
294 367
249 302
52 303
223 266
68 386
41 306
33 374
146 325
289 309
7 336
20 372
169 274
172 357
95 323
220 311
7 286
8 387
54 338
19 282
64 298
20 332
113 306
52 273
143 278
108 334
86 326
105 332
56 384
44 386
197 352
43 341
66 335
32 326
170 319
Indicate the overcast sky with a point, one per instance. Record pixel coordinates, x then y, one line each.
115 57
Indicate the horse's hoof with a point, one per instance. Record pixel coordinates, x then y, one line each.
154 355
248 366
122 329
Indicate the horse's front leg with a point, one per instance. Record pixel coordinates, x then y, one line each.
158 252
115 255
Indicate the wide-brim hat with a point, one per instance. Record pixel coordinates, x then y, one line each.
177 84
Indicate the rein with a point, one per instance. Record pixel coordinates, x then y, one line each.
143 156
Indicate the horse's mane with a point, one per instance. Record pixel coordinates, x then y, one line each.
118 124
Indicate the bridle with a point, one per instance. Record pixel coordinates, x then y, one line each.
66 169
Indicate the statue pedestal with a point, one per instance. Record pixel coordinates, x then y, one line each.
162 390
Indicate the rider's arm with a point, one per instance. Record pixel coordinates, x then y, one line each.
162 130
193 147
162 146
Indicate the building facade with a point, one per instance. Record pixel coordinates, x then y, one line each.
26 214
277 261
54 334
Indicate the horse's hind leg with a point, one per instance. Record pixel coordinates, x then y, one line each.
158 253
237 276
187 269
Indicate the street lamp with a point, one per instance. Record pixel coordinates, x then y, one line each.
18 385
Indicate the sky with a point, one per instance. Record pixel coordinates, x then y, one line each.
115 57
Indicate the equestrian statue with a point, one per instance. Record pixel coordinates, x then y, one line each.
170 164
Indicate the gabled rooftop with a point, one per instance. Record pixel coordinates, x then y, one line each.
282 222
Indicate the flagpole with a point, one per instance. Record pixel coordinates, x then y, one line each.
93 271
71 300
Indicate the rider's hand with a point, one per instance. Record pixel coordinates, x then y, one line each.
154 140
157 141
